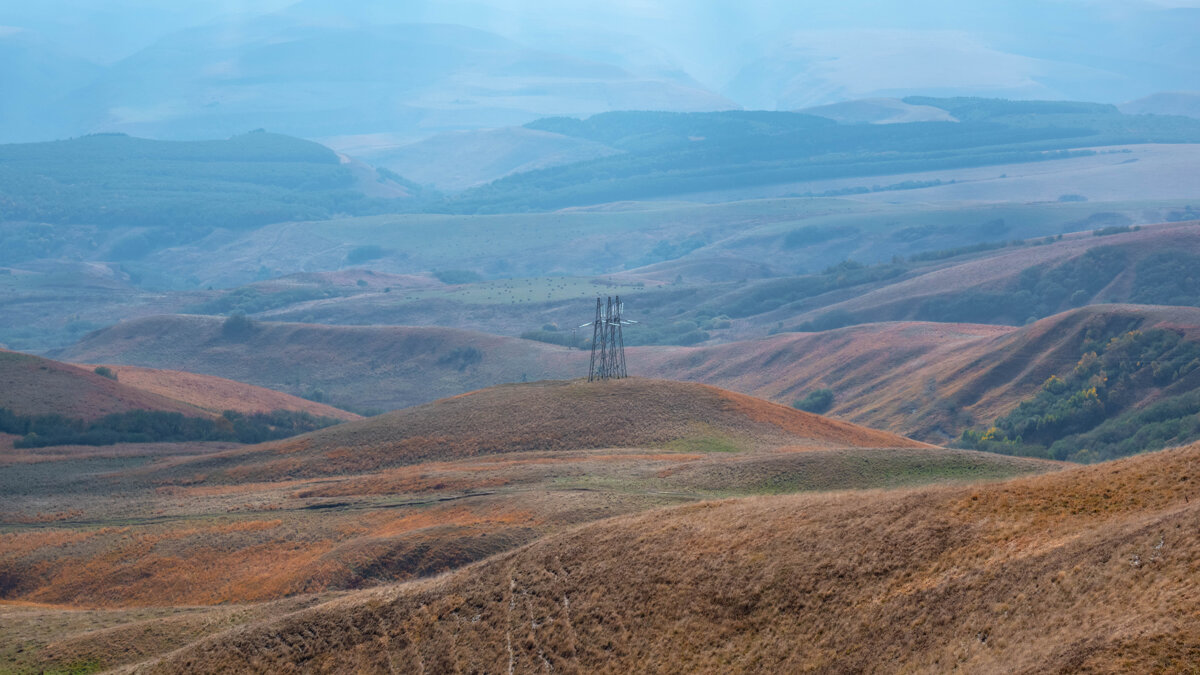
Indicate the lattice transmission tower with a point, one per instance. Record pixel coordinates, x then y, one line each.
608 344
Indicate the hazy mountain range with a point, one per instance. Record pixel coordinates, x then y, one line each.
318 68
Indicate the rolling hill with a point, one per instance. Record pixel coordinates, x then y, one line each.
574 253
668 155
362 367
31 385
1090 569
1012 285
249 180
927 380
1186 103
933 380
420 491
217 395
49 403
458 160
550 416
879 111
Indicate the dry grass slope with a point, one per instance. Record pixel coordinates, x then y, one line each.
363 367
547 417
1094 569
217 394
31 385
924 380
419 491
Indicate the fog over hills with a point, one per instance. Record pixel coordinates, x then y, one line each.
317 68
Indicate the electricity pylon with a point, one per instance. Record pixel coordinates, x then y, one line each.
608 343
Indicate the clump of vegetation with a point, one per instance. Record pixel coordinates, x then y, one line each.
706 444
832 320
237 326
315 394
775 293
554 337
1089 414
105 371
1037 292
1188 212
817 234
251 300
154 426
942 254
817 401
362 254
720 322
665 250
461 358
916 232
1167 278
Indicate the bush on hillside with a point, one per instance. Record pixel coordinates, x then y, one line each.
1090 413
154 426
362 254
817 401
460 358
238 326
105 371
554 337
1167 278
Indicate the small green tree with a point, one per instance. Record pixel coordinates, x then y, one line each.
816 401
238 326
105 371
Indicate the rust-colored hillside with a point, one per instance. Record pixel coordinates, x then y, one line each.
376 368
419 491
217 394
1088 570
31 385
551 416
920 379
925 380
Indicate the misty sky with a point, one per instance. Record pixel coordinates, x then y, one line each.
710 39
208 68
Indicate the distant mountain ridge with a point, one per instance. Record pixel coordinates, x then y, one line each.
316 77
319 69
1186 103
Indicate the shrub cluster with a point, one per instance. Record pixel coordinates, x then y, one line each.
461 358
1089 414
816 401
153 426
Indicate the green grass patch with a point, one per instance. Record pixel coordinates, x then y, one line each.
705 444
